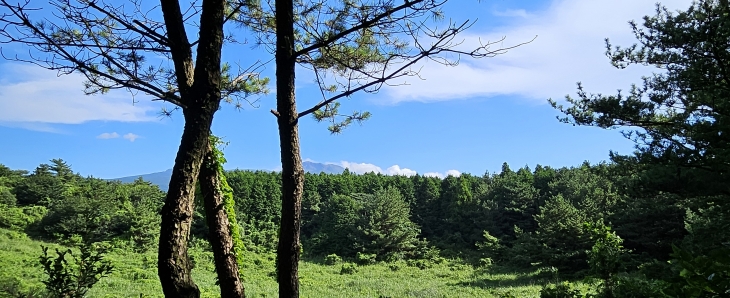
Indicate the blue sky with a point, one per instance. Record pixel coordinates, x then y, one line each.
465 119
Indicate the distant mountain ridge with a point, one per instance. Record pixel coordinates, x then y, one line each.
162 179
316 168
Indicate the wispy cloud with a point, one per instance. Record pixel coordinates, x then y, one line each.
30 94
131 137
520 13
34 126
569 48
108 135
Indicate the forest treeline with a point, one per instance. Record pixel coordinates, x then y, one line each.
592 220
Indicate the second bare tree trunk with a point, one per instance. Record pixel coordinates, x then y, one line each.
292 173
177 213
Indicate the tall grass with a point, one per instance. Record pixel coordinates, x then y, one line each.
135 274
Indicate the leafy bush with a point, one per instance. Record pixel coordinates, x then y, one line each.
19 218
637 286
74 280
701 275
490 246
524 249
337 227
13 287
507 294
91 211
427 253
332 259
656 270
7 198
101 210
548 272
605 258
348 268
485 262
375 224
420 264
260 236
561 290
366 259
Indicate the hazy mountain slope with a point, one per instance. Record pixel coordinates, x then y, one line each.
162 179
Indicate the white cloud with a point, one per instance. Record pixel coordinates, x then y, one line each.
131 137
454 173
31 94
108 135
569 48
361 168
434 174
35 126
396 170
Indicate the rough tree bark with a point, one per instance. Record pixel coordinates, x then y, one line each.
200 94
292 173
177 213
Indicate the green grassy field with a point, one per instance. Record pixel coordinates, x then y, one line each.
136 274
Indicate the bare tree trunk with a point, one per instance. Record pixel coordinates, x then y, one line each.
200 94
219 229
177 213
292 173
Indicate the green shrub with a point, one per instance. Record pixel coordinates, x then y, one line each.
636 286
74 280
561 290
19 218
13 235
605 258
420 264
524 249
485 262
366 259
490 246
7 198
332 259
348 268
701 275
507 294
548 272
656 270
139 274
13 287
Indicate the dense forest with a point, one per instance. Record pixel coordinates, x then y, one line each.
608 221
655 223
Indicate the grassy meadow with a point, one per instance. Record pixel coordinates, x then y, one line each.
135 275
